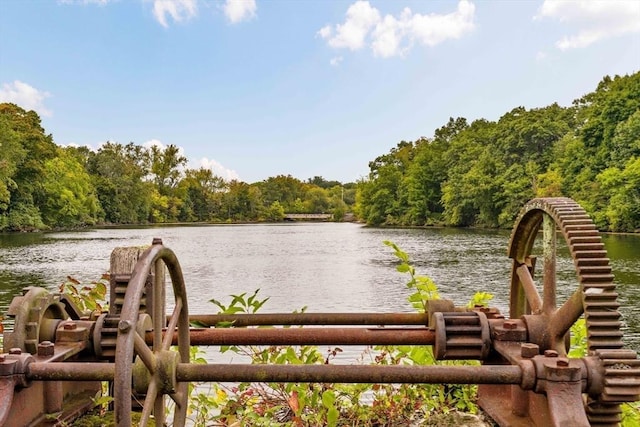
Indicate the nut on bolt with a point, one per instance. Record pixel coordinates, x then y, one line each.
529 350
15 350
510 324
70 326
550 353
562 362
46 348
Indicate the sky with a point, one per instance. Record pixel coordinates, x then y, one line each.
258 88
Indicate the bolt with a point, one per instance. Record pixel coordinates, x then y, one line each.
510 324
45 348
70 326
529 350
562 362
156 241
498 316
124 325
550 353
2 357
15 350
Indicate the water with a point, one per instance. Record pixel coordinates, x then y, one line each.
341 267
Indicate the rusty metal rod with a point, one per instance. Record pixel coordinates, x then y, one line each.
307 336
351 374
318 319
187 372
70 371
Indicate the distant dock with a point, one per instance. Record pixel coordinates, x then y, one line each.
307 217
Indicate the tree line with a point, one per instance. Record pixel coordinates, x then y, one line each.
44 185
481 173
466 174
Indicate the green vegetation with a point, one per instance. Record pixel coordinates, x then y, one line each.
302 404
481 173
327 404
467 174
43 185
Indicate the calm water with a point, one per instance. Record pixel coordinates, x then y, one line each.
326 267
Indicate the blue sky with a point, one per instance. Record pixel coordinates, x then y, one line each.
258 88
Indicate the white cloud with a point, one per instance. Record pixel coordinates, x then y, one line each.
361 18
217 169
394 36
178 10
25 96
325 32
594 20
541 56
433 29
239 10
336 61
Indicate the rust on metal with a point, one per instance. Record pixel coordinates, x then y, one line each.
352 374
308 336
318 319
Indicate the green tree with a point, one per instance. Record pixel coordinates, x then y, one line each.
622 188
275 212
166 167
117 171
202 191
70 195
283 189
12 155
26 191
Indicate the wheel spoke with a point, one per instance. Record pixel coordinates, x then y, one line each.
145 353
166 342
158 409
149 401
561 321
529 286
549 268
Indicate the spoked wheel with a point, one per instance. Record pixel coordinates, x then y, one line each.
595 298
154 367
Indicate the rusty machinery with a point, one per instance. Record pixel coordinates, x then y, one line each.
56 359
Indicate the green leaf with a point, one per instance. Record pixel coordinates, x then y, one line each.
403 268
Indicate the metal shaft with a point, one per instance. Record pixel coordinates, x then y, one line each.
309 336
187 372
318 319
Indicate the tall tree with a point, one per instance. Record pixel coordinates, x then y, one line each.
26 193
166 167
118 171
70 195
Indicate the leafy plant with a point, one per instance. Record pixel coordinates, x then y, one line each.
90 297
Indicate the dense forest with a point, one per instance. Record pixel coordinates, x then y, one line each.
481 173
43 185
467 174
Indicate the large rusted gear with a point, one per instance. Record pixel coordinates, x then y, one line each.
36 315
595 298
153 372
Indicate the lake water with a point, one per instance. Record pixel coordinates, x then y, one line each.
341 267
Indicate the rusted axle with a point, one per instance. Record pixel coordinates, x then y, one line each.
292 373
318 319
307 336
